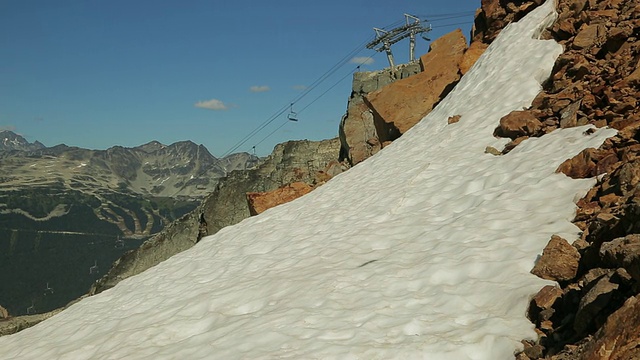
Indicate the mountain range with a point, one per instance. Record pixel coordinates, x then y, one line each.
66 213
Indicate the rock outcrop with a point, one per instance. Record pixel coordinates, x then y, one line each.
358 136
385 104
400 105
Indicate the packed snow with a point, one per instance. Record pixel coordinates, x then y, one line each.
421 252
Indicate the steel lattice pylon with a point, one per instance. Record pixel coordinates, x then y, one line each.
385 38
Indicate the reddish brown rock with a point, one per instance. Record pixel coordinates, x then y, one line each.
634 77
453 119
580 166
559 261
519 123
494 15
262 201
619 338
400 105
589 35
547 296
473 53
607 163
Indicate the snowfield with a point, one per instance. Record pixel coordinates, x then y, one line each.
421 252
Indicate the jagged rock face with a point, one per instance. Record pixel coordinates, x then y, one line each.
294 161
358 132
10 141
399 106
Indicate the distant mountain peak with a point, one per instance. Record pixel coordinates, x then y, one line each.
10 141
151 146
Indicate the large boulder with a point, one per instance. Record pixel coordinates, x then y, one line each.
559 261
400 105
518 123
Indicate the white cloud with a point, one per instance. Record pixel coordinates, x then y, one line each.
213 104
362 60
260 88
299 87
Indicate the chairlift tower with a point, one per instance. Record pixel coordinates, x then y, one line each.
385 38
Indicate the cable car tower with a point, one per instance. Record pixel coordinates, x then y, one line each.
385 38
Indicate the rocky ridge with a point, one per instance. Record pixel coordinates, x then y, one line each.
592 312
302 162
130 191
154 169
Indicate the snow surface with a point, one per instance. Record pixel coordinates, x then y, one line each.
422 251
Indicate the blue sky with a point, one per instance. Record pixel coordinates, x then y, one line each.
98 73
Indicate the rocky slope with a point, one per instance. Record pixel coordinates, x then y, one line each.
592 312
